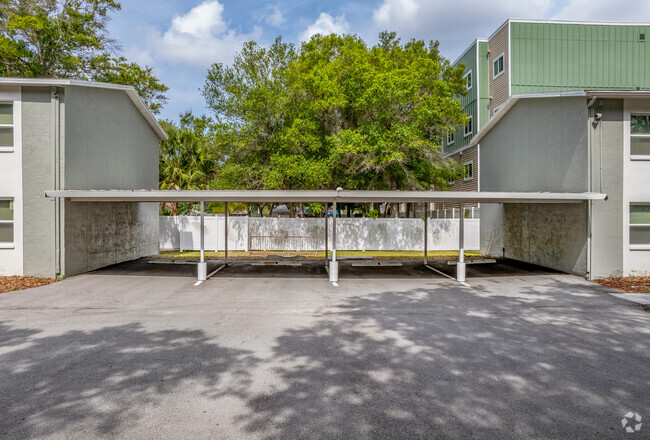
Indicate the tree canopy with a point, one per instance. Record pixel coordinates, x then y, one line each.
335 112
69 39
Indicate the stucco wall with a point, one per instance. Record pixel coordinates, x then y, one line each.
540 145
38 176
608 217
109 145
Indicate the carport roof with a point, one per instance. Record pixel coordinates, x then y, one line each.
340 196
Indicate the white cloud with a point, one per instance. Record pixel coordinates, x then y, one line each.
455 23
275 18
621 10
201 37
325 25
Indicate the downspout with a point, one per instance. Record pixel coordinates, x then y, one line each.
56 140
589 186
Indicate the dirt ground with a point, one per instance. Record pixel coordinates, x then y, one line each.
8 284
627 284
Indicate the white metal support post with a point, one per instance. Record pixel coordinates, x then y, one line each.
202 267
460 267
334 265
426 231
326 237
226 234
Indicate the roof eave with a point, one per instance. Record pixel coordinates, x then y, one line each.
63 82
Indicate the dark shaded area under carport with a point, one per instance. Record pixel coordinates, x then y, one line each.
266 268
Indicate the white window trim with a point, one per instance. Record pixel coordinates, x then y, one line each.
453 137
467 133
465 179
504 66
11 149
637 156
12 222
630 225
471 83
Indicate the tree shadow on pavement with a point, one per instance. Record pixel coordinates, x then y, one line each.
105 376
426 363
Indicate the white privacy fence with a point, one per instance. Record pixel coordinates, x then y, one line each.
183 232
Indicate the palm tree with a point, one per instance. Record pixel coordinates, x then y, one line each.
187 161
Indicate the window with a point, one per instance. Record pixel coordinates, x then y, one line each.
6 126
640 136
451 137
640 224
468 78
468 126
497 66
469 171
6 222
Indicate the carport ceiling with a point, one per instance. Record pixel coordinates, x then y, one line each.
341 196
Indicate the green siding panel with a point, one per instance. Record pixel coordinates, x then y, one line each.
470 101
549 57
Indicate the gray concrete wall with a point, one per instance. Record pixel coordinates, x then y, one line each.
540 145
607 216
109 145
38 175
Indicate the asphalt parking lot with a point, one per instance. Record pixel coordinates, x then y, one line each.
136 351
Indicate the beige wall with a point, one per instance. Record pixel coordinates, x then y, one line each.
462 157
500 86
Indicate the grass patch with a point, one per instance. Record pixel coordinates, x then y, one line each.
627 284
380 255
9 284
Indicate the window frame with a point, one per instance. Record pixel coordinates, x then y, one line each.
11 148
637 156
12 222
471 79
470 121
452 134
471 177
503 65
636 246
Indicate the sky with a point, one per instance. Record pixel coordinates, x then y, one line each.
181 39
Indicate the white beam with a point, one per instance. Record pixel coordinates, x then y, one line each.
321 196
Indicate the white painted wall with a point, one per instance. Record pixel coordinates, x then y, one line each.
183 232
11 179
636 189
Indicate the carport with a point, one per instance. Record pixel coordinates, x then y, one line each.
324 196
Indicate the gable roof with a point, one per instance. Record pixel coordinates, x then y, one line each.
494 120
130 92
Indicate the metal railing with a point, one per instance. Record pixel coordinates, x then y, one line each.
267 243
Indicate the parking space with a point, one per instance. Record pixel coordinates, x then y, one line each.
136 351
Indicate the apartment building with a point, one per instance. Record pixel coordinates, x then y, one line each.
66 134
568 109
539 56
